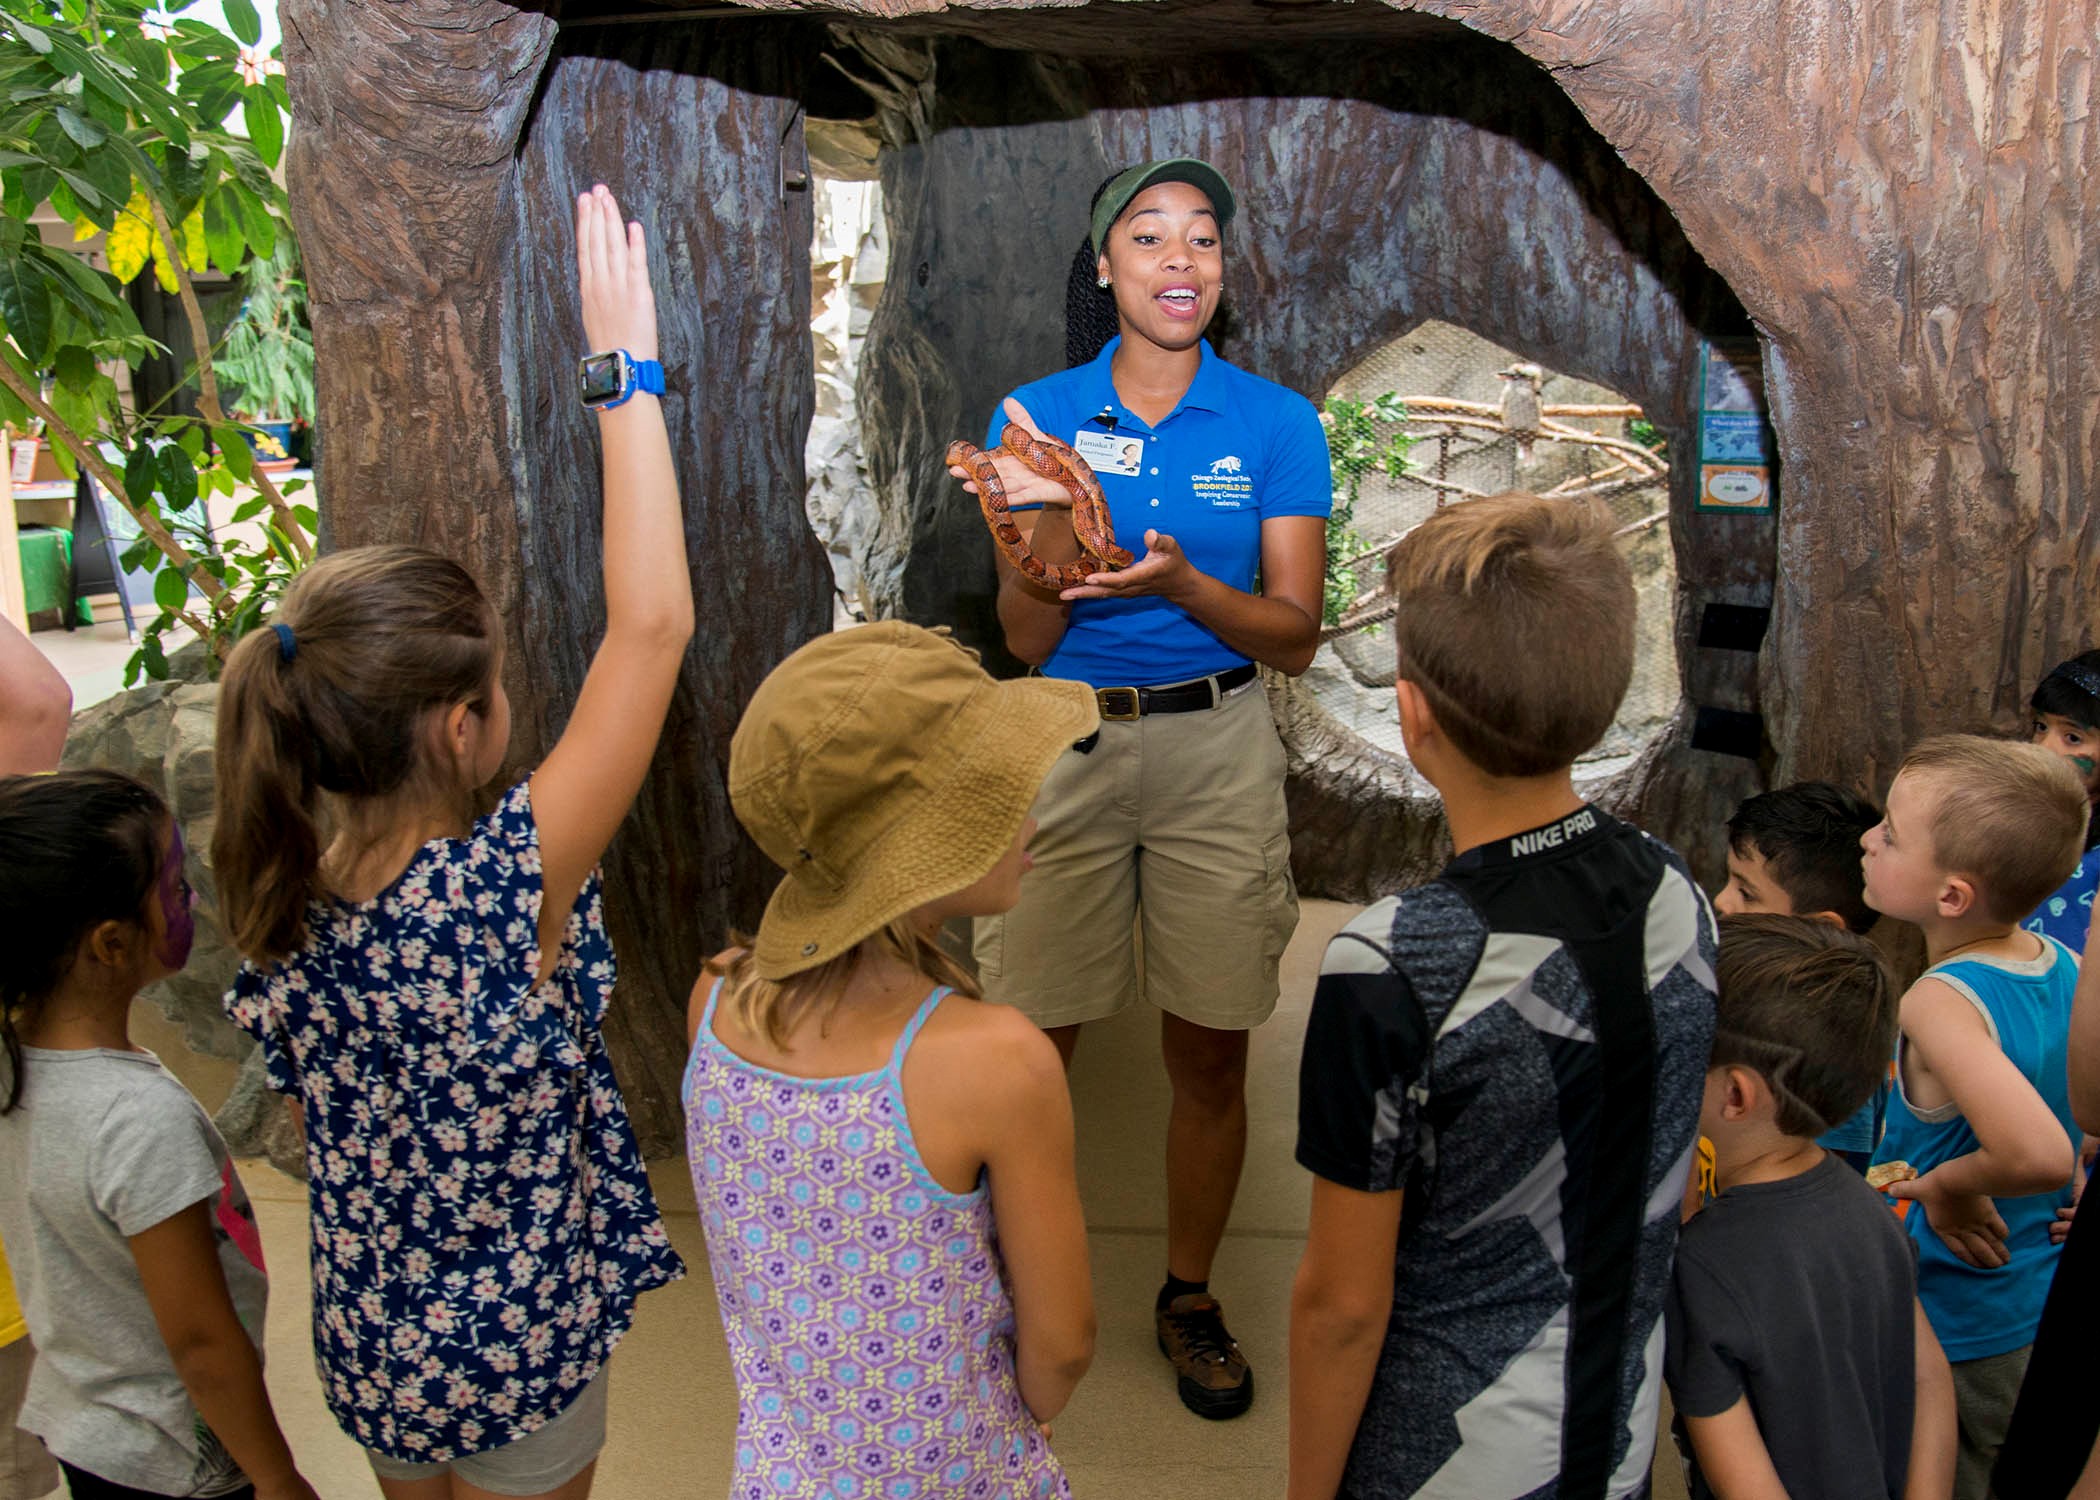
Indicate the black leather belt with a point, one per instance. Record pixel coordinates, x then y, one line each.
1120 705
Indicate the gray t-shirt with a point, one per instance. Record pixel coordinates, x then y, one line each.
103 1146
1799 1295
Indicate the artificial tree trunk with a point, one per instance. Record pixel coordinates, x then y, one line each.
435 168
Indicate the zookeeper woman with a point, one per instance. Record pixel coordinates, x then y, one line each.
1162 866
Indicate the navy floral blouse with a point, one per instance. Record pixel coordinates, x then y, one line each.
481 1221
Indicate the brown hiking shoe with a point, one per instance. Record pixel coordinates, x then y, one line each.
1212 1373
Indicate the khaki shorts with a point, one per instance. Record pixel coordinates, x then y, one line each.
1166 841
533 1465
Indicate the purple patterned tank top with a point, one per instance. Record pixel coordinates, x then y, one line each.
866 1308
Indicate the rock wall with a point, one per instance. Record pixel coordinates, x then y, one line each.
164 734
849 258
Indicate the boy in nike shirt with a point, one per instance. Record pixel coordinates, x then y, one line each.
1502 1070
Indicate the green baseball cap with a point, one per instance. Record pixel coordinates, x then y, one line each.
1127 184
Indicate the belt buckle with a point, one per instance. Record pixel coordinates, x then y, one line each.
1105 697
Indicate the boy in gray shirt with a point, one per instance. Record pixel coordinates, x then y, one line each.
1796 1347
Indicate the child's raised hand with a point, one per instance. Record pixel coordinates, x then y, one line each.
612 270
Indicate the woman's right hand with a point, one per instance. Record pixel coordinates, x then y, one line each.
1022 484
612 271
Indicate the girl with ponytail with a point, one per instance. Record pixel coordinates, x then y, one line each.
430 987
141 1267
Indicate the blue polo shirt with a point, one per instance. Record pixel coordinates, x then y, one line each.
1237 450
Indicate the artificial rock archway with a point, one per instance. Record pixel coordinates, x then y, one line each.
1909 213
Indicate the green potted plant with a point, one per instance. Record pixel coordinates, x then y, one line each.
267 358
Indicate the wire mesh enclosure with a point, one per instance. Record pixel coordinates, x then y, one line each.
1442 416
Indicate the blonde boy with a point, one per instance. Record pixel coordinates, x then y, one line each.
1977 832
1514 1051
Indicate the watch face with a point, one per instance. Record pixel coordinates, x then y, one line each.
601 377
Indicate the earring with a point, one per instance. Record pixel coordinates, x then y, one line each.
1101 282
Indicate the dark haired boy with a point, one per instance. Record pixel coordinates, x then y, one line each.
2066 721
1501 1074
1799 1358
1795 853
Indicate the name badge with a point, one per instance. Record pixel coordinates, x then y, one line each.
1108 453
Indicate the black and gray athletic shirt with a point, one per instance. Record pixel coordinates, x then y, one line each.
1520 1046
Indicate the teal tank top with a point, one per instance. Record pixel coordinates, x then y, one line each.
2027 1006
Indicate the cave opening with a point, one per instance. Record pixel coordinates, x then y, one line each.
1400 177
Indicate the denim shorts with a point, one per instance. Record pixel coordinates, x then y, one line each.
534 1464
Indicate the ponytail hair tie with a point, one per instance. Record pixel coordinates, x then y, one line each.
287 647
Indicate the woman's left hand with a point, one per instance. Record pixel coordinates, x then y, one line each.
1164 570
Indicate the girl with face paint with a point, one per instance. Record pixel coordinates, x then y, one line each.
147 1304
2065 712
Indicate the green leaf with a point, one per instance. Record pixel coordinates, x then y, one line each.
110 171
178 478
234 449
84 131
141 476
27 189
25 306
92 203
308 518
265 124
37 40
250 509
143 554
256 222
156 659
63 204
75 366
244 23
222 233
191 441
170 589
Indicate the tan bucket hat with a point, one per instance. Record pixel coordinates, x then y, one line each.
883 768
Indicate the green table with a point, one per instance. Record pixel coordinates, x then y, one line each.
47 572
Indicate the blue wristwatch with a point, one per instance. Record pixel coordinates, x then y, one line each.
611 378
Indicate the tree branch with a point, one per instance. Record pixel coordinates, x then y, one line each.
90 458
208 382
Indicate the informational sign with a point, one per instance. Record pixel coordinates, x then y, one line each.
1738 464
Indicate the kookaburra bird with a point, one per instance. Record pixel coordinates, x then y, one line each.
1520 407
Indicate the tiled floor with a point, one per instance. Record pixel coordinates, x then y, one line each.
1124 1437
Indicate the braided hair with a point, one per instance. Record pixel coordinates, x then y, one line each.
1090 308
